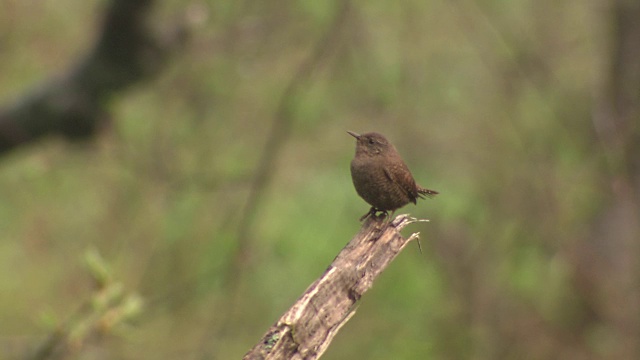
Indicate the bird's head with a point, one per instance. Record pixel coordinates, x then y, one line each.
372 144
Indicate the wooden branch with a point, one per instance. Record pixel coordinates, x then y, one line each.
308 327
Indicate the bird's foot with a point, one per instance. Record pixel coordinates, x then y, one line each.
389 218
372 212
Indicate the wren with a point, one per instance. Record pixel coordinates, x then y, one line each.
381 177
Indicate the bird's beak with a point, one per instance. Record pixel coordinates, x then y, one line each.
353 134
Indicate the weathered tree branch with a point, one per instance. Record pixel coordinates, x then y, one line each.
308 327
74 105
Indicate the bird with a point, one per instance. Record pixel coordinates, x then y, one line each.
381 177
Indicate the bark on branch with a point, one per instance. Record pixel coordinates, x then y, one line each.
308 327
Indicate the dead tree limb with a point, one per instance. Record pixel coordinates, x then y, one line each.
308 327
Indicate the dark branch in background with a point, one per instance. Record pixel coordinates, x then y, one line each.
620 127
279 132
75 105
308 327
612 252
283 121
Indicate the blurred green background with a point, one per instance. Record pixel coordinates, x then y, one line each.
532 250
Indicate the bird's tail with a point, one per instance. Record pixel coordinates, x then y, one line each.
427 192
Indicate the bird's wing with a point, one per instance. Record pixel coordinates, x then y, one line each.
401 176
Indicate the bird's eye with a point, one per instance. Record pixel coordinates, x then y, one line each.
371 141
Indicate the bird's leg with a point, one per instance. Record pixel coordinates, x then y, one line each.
389 217
372 211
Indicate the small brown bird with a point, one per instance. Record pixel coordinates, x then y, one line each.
381 177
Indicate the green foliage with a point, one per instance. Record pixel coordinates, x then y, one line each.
486 103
